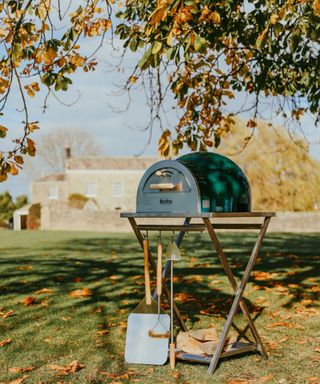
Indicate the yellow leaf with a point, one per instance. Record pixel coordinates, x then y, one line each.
215 17
316 7
49 55
133 79
43 290
274 19
13 169
84 292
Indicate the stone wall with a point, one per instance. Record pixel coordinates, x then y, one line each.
60 217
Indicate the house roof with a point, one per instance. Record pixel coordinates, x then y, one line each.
110 163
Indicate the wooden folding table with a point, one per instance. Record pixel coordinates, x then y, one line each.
208 222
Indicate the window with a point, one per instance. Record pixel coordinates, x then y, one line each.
91 190
54 192
118 189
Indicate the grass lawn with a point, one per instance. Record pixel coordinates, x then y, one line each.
49 328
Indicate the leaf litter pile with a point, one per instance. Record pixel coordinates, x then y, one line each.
65 299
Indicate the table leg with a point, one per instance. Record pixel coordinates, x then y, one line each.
238 290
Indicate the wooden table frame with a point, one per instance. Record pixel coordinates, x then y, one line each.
208 224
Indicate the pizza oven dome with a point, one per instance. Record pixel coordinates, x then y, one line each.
194 183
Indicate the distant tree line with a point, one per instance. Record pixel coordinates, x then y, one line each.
8 206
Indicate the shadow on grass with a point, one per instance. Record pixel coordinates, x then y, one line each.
112 268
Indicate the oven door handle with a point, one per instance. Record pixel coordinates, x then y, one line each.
162 186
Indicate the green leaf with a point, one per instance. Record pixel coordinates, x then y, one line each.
200 44
157 45
144 59
133 44
3 131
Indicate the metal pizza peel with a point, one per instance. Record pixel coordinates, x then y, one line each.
148 325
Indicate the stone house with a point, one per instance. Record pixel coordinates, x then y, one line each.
109 183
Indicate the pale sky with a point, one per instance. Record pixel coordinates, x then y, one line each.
92 113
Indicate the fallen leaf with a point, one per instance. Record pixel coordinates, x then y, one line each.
29 301
18 370
238 381
43 290
103 332
176 375
280 324
120 376
184 297
313 380
317 349
306 302
137 277
5 342
18 381
66 318
7 314
257 275
265 379
24 268
114 277
84 292
65 370
77 279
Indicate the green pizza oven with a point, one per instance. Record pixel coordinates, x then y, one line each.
194 183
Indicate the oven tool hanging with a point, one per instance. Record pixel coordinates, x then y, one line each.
162 330
173 254
140 347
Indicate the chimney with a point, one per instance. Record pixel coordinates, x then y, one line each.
67 149
68 153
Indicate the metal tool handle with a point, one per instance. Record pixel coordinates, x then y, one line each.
146 271
159 269
162 186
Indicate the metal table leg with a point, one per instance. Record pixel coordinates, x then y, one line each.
239 290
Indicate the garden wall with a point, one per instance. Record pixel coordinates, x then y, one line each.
60 217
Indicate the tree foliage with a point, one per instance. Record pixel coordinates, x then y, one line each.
40 48
210 51
8 206
282 174
261 49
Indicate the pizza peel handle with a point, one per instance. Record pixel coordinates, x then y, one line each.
146 271
159 269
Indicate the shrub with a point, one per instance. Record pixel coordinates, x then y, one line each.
77 201
33 219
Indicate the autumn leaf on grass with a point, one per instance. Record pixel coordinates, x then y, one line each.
280 324
24 268
29 301
265 379
317 349
84 292
65 370
257 275
19 370
6 314
77 279
103 332
120 376
184 297
43 290
5 342
18 381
